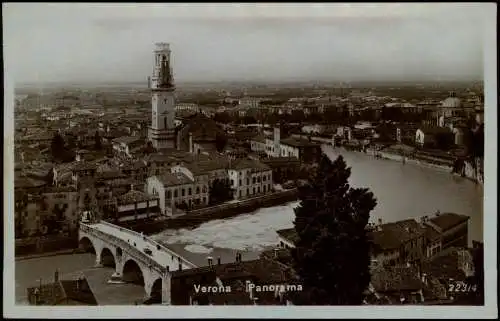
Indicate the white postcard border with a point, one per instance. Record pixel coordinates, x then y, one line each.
459 312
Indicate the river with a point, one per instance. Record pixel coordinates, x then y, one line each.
402 190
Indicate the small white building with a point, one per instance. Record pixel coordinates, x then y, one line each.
126 145
250 178
178 189
250 102
258 144
137 203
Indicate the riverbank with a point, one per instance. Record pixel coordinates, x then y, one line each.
195 218
47 254
424 160
45 245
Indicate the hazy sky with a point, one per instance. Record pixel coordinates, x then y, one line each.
113 42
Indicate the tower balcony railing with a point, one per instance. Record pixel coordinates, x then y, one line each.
162 46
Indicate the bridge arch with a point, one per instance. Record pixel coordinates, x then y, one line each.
86 244
108 258
156 291
132 273
119 253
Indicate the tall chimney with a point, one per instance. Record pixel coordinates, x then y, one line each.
277 151
190 143
178 140
56 276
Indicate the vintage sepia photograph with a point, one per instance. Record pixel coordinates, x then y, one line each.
163 156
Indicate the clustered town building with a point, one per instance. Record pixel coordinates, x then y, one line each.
131 154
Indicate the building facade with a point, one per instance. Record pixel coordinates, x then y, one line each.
250 178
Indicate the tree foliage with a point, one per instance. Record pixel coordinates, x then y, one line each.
98 141
149 149
59 150
57 145
220 191
220 142
332 254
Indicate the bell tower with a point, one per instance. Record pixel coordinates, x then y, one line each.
162 130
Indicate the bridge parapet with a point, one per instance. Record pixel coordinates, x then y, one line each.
153 243
133 251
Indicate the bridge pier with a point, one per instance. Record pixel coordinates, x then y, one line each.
98 260
166 289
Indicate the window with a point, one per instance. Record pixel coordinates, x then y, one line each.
205 200
253 190
264 188
258 189
232 182
253 180
240 193
264 178
175 193
189 191
248 191
197 190
169 194
183 192
248 181
204 188
240 182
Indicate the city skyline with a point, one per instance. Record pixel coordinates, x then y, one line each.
445 43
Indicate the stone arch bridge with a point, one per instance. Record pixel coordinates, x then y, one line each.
136 258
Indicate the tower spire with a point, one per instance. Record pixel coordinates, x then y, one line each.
162 130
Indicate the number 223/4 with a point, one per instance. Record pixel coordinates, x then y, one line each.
461 287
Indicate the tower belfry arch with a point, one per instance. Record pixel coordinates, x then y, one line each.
162 129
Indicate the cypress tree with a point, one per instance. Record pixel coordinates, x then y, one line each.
332 254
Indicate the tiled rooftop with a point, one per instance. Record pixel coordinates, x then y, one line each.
391 279
434 130
134 196
244 163
448 220
174 179
445 265
392 235
289 234
298 142
203 167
